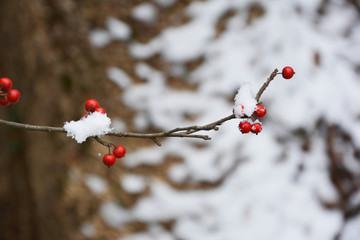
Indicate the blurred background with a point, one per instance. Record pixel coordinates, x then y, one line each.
159 64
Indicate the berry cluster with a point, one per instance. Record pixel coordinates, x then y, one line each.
91 105
245 126
118 152
8 95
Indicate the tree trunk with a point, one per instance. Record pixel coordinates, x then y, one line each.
43 52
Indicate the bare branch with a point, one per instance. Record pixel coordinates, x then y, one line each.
181 132
157 135
266 84
31 127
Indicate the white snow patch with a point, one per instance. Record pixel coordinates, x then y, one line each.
119 77
245 102
99 38
88 230
118 124
164 203
96 184
133 183
351 230
114 215
146 72
95 124
144 51
118 30
177 44
178 173
155 232
145 12
141 121
181 44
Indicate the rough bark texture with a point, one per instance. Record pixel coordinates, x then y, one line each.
45 51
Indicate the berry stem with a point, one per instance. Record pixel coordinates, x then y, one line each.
266 84
107 144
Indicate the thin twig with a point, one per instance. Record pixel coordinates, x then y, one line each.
181 132
107 144
266 84
156 141
157 135
31 127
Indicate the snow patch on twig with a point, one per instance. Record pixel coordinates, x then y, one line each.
245 102
95 124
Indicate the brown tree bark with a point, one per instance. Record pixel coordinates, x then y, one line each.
44 51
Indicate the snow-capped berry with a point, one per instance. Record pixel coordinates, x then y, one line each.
245 127
245 102
13 95
4 101
260 111
119 151
5 84
100 110
256 128
287 72
91 105
109 160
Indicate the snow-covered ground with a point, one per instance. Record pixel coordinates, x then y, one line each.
264 194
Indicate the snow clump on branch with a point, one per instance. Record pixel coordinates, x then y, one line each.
245 102
95 124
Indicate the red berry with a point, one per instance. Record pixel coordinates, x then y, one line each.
4 101
13 95
100 110
288 72
119 151
5 84
91 105
245 127
256 128
109 160
260 111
